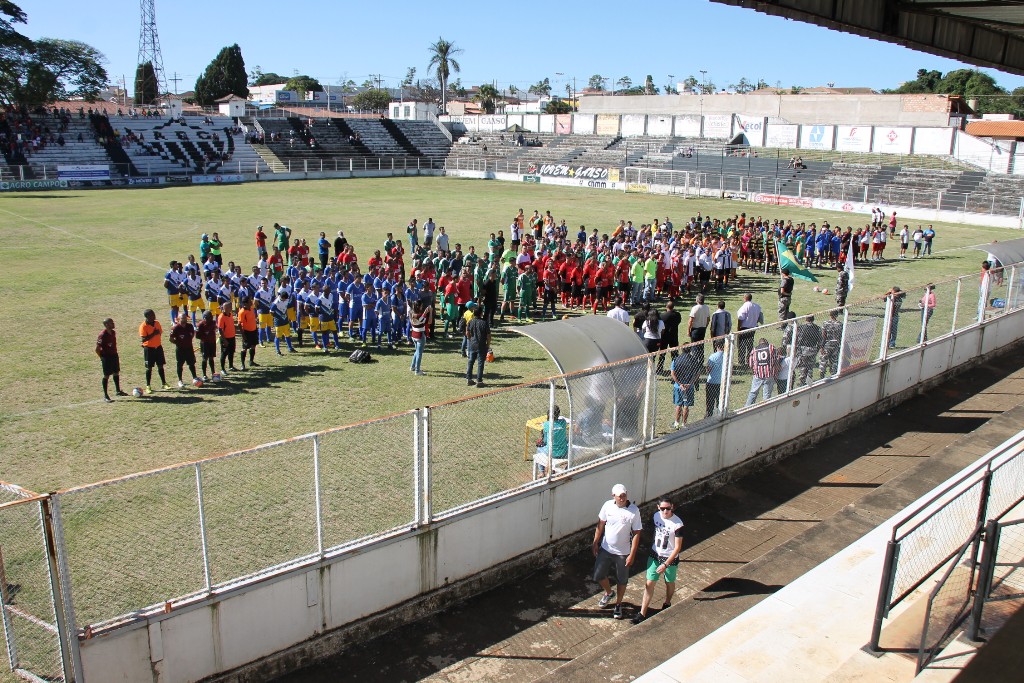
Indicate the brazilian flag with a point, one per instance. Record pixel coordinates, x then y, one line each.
789 262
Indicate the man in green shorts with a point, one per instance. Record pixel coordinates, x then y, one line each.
664 556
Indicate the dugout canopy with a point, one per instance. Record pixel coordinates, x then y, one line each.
584 342
1008 252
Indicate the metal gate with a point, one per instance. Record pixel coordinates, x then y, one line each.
30 605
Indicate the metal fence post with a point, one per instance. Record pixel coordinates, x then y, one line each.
725 388
417 471
986 572
956 303
883 350
892 553
924 317
202 527
56 597
67 599
316 496
792 358
842 341
426 474
549 437
647 402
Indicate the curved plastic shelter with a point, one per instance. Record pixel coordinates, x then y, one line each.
607 409
584 342
1008 252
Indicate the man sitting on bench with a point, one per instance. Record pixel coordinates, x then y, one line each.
553 446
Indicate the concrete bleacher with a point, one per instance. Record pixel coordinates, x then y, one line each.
88 152
175 147
426 137
377 138
984 193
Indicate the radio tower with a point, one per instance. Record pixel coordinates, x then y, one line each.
149 49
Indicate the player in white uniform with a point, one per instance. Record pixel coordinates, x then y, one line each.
664 556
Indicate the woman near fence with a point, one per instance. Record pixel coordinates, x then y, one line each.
418 326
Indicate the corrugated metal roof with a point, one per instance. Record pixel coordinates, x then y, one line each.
982 32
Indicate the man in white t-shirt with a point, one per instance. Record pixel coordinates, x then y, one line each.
664 556
616 540
619 313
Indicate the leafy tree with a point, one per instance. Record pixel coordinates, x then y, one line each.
347 86
541 87
302 85
487 95
556 106
410 76
708 88
456 88
649 87
372 100
513 90
259 77
442 61
691 83
146 87
624 83
36 72
225 75
796 90
743 86
762 84
926 82
596 82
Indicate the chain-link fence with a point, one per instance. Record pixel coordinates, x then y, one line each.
27 592
949 603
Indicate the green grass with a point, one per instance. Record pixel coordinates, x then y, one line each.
74 258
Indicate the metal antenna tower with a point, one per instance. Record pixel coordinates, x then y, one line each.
149 46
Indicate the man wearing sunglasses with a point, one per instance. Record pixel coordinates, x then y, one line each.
664 556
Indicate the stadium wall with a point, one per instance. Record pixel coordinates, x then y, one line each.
859 110
274 625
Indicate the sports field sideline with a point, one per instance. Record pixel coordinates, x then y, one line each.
73 258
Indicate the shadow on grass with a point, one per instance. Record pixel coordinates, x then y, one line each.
243 381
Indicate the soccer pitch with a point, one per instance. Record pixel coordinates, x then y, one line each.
73 258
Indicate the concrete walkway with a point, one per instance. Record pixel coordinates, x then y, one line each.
743 543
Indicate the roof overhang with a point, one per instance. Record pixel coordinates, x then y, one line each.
987 33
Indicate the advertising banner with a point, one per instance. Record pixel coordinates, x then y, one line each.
83 172
718 126
892 140
220 178
607 124
660 126
782 200
687 126
853 138
33 184
583 124
933 141
286 96
783 135
633 124
563 124
571 171
817 137
858 344
753 127
324 97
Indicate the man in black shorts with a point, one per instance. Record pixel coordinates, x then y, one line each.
206 333
106 349
182 335
150 332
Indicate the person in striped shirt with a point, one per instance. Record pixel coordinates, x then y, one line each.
764 363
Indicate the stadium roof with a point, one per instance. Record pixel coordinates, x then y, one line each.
1008 252
981 32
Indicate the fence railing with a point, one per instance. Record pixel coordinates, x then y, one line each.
182 533
945 533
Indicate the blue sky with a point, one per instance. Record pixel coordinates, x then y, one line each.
351 40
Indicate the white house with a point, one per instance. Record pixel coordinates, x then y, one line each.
231 105
412 110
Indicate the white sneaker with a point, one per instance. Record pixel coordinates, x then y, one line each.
181 385
675 425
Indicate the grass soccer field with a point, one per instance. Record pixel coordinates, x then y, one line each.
72 258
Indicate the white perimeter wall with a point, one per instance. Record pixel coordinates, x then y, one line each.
227 631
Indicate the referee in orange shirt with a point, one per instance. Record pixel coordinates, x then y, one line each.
150 332
250 332
226 327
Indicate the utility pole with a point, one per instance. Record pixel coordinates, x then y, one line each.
175 81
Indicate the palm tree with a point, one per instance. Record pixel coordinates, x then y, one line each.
487 95
442 61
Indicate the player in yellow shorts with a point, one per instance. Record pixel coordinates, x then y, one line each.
172 284
213 287
264 298
312 313
282 328
194 291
